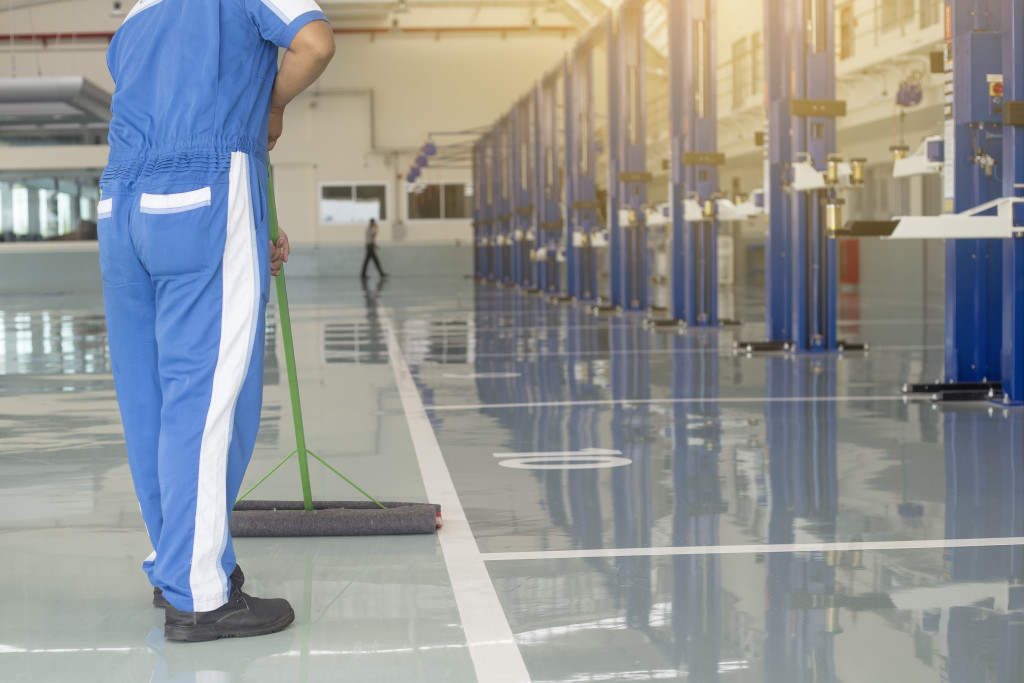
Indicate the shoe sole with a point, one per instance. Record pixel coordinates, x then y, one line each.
199 634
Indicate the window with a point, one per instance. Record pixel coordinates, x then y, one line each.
847 31
342 203
458 201
931 10
19 203
424 202
441 201
756 65
43 208
895 13
740 73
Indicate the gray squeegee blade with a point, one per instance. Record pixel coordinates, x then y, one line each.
277 518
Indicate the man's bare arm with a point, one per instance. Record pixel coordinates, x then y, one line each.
306 58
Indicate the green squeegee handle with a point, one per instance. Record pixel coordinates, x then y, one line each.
289 356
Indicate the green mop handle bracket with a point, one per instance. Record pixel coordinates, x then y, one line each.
289 355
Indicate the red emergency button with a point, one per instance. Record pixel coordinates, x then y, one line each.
995 89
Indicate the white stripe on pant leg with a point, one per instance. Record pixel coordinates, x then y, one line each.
207 579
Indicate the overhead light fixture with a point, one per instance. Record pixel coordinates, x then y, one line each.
402 6
117 11
552 6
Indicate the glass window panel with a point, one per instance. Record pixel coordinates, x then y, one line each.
47 213
457 201
340 204
376 195
19 200
424 202
740 73
64 225
336 192
87 208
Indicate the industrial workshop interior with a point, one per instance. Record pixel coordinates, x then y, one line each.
692 348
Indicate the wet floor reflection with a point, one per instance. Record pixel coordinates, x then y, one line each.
802 465
34 342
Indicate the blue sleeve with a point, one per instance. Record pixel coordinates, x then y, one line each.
279 20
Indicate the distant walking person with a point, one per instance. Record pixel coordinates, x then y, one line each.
371 249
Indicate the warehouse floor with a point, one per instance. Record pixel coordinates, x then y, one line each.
620 504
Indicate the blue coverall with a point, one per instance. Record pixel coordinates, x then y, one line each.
183 231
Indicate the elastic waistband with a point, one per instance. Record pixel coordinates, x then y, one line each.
199 160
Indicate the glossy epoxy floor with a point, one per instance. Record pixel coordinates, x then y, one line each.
641 505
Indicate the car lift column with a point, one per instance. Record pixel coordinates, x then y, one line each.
523 182
479 254
695 161
814 137
778 269
548 213
973 267
581 189
800 250
513 162
628 175
493 204
983 300
487 173
571 143
503 200
1012 374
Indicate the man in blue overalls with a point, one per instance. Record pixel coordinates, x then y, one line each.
185 253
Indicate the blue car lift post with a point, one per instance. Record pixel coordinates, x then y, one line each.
548 213
984 277
694 164
478 255
627 160
490 189
525 180
481 212
521 183
502 202
580 186
800 251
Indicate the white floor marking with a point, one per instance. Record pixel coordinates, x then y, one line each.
654 401
756 548
493 648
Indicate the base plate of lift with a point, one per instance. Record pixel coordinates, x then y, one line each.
605 309
761 346
561 299
534 290
665 324
957 391
844 346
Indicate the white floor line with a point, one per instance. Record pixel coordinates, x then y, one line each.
755 548
649 401
496 657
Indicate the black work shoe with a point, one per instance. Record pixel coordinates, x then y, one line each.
237 579
242 616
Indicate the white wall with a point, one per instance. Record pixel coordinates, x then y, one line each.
421 83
